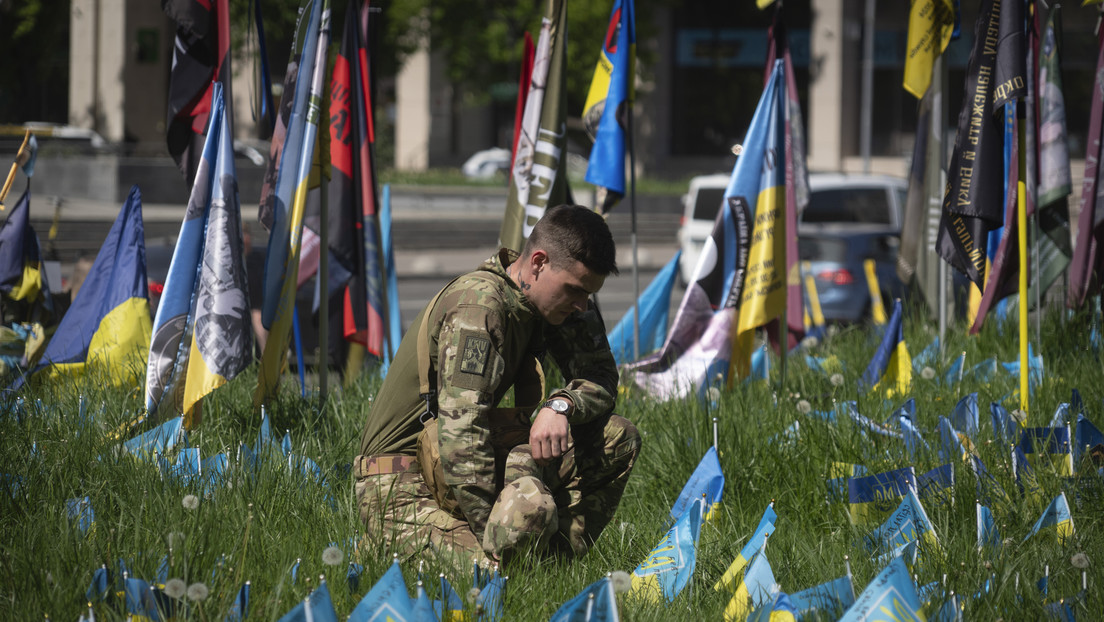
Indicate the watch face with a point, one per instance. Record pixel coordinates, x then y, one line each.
560 406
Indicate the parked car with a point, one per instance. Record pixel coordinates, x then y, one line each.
849 218
487 164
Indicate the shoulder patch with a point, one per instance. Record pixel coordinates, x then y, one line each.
475 352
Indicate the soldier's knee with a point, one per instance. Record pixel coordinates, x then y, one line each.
524 515
622 439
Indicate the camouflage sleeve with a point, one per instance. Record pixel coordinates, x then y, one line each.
582 352
470 367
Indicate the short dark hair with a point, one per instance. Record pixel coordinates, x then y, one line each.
574 232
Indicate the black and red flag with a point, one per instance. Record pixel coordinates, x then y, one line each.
1087 266
356 260
201 56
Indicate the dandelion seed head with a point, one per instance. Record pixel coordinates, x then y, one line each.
804 407
473 595
190 502
332 556
836 380
197 592
1080 560
175 588
713 394
810 342
621 581
927 373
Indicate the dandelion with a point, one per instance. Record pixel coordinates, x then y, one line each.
713 394
927 373
197 592
473 595
175 588
810 342
1080 560
332 556
804 407
836 380
621 581
719 377
190 502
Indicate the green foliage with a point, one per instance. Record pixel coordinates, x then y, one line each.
257 525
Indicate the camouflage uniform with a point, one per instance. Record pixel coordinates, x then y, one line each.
482 334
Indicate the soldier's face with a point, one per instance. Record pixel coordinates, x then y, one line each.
559 292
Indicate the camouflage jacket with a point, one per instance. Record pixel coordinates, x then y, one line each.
481 331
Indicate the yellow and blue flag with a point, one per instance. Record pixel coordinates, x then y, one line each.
654 306
838 474
107 329
875 496
596 603
706 483
285 205
988 489
951 445
937 484
890 596
422 608
203 332
831 597
668 568
1053 443
908 523
757 588
449 608
964 417
22 277
1087 439
987 532
1057 516
80 512
159 440
239 609
1023 473
754 544
387 600
316 607
609 104
1005 428
911 435
779 609
890 368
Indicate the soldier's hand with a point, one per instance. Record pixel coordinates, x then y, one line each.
550 435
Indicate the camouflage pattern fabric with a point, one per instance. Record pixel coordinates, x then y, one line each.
483 333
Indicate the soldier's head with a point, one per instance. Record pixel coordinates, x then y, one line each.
567 257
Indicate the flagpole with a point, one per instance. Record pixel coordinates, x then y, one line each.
1021 233
867 85
632 213
324 236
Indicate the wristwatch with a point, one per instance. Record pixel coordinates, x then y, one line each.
559 404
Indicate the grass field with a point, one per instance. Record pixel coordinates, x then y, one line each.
256 525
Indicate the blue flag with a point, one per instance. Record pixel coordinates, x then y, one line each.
387 600
108 326
838 474
874 496
668 568
80 511
908 523
492 587
609 104
756 589
449 607
394 313
831 597
951 447
1049 442
890 368
654 305
158 440
1023 473
239 609
422 609
937 484
964 417
317 607
1087 438
705 483
1005 428
913 441
890 596
596 603
1057 515
987 532
203 332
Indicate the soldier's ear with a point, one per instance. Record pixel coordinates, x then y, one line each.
538 261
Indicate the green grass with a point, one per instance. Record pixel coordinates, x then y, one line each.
256 527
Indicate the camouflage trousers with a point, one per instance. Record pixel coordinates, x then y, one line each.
559 508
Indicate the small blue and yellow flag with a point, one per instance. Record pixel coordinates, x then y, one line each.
908 523
890 596
779 609
705 483
1087 439
838 474
875 496
890 369
450 607
387 600
1049 443
316 607
596 603
1005 428
1057 515
1023 473
756 589
964 417
831 597
668 568
937 485
753 546
987 533
422 609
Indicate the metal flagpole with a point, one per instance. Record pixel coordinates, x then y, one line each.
632 211
324 239
867 85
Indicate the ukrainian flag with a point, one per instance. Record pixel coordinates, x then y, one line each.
908 523
596 603
387 600
831 597
1057 515
937 484
987 533
203 334
756 589
874 496
838 474
890 368
706 483
780 609
107 329
890 596
21 275
1053 443
758 538
668 568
